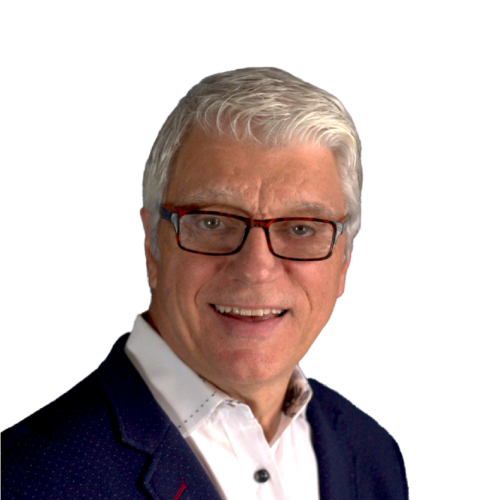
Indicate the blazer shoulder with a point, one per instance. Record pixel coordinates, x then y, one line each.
59 425
346 415
73 406
84 402
373 454
70 446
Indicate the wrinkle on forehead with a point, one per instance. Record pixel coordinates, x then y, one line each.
229 176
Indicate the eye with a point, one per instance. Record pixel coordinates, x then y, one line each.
210 223
301 230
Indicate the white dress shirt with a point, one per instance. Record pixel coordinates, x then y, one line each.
223 433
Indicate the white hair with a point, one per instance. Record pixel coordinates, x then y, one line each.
270 107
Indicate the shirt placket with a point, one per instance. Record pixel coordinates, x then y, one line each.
260 472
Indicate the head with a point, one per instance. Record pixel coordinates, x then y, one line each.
262 144
267 106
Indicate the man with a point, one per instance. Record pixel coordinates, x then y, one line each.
251 204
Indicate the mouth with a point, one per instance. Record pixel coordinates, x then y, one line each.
249 315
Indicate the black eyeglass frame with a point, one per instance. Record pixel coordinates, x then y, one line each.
174 214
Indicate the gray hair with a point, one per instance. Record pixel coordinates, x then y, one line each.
270 107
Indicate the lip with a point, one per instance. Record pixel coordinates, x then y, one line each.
253 311
249 327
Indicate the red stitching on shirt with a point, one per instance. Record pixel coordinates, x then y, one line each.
180 491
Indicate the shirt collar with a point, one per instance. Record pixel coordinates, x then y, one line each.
183 395
298 394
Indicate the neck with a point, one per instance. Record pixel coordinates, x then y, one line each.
266 403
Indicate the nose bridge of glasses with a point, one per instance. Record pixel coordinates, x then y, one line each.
264 225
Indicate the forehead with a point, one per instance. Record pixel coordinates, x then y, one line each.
215 171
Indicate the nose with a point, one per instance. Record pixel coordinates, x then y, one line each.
254 263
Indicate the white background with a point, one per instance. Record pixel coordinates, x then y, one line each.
413 342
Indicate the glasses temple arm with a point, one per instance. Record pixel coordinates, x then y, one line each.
171 217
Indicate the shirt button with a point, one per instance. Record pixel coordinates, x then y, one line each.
261 476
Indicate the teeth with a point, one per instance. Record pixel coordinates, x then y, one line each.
247 312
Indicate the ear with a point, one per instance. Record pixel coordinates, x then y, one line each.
151 263
343 274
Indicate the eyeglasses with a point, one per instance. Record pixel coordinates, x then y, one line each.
216 233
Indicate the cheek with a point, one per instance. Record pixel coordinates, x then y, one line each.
320 284
187 276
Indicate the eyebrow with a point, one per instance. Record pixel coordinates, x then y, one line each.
224 195
313 209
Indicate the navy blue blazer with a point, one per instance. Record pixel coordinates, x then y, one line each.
108 438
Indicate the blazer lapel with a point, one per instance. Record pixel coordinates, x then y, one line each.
174 472
337 476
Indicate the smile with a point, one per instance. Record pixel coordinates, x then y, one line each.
239 311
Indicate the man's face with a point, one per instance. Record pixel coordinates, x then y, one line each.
230 350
